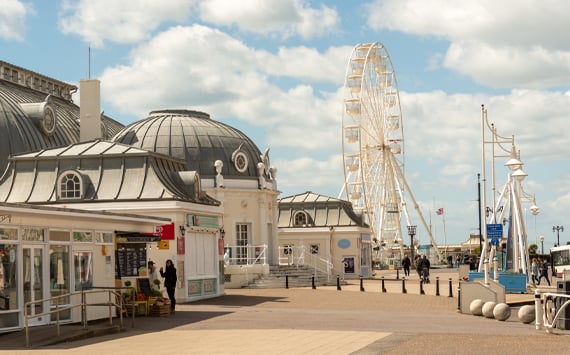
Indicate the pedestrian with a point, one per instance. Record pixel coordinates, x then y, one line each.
151 273
544 272
425 265
418 265
170 279
406 264
534 271
457 261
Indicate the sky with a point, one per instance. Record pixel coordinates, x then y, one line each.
275 69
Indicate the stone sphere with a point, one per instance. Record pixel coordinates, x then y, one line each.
502 311
488 308
527 314
476 307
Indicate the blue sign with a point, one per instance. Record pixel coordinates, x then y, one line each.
495 233
344 243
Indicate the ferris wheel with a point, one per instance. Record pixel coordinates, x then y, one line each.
373 142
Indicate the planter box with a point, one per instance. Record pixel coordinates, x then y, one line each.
160 311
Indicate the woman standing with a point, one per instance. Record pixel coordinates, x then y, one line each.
170 282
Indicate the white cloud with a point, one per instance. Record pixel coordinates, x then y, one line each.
119 21
267 17
13 19
499 44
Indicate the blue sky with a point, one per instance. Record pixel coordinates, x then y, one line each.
275 70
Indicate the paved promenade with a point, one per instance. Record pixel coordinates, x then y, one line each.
321 321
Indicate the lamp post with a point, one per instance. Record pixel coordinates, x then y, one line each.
412 232
558 229
542 241
534 209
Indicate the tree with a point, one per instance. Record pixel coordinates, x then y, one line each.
533 249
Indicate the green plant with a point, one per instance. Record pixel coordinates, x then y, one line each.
156 282
155 293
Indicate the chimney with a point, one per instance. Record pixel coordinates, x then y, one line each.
90 109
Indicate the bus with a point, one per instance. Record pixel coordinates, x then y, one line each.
560 257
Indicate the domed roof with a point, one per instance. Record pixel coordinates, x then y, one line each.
194 137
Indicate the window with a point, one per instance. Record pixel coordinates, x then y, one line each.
85 237
300 219
33 234
70 185
104 237
242 241
8 281
59 236
83 265
314 248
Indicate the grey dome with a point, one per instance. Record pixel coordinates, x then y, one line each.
195 138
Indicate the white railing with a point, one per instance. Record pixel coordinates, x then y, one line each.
299 256
245 254
548 313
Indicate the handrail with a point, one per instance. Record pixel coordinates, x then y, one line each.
549 316
245 254
295 255
113 293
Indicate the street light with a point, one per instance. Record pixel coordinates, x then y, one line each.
558 229
412 232
542 241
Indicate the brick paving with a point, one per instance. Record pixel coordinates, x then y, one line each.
321 321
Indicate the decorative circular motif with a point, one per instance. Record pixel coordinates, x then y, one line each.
48 121
240 162
344 243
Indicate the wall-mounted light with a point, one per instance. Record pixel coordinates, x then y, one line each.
222 232
182 229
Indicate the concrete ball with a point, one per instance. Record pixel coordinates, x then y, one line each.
488 308
502 311
527 314
476 307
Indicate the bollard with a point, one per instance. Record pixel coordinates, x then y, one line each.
383 288
459 298
286 280
404 285
361 284
338 283
397 274
313 283
451 289
437 286
538 309
422 287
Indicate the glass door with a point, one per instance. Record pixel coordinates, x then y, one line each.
33 263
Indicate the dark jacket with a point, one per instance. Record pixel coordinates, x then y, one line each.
169 276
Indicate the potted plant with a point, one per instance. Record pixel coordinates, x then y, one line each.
127 296
157 283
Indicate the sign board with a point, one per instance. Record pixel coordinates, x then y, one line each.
494 233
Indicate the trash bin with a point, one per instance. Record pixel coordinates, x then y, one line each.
563 287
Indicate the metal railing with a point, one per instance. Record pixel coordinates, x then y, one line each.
549 312
114 301
245 254
299 256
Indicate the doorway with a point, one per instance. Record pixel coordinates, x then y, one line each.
33 266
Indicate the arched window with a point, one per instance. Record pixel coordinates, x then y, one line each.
300 219
70 185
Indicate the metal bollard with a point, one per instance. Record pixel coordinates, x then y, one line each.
338 283
422 287
437 286
383 288
450 289
397 274
313 283
458 298
361 284
404 285
286 280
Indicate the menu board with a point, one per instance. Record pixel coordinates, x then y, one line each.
129 258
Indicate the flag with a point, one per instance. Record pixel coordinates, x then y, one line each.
439 211
165 231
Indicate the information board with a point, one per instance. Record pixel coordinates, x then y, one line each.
130 257
494 233
143 285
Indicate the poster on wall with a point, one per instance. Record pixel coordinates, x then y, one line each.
180 246
348 264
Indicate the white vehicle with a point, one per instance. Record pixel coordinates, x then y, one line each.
560 259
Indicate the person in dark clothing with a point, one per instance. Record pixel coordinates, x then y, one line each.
425 265
544 272
170 279
406 264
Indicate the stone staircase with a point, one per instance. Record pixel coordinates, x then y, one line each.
299 276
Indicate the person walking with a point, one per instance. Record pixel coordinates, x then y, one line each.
425 265
544 272
406 263
170 279
534 271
